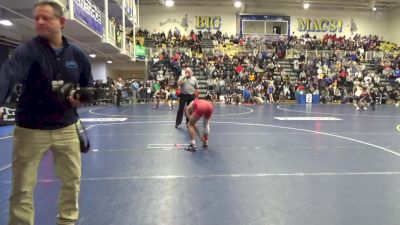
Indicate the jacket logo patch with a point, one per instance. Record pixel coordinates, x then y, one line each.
71 65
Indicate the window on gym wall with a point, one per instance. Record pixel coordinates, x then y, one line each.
253 27
265 27
276 27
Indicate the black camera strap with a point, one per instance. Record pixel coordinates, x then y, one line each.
82 135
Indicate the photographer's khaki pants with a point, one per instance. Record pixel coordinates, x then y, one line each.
29 147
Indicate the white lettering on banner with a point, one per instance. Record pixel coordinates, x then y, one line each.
306 118
90 8
104 119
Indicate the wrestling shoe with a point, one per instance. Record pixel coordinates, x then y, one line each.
191 148
205 144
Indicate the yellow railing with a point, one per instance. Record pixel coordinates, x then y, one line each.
155 52
290 53
368 55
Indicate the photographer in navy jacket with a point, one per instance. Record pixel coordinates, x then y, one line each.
45 116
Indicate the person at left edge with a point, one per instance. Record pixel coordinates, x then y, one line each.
44 120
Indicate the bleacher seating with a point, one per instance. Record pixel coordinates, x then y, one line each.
207 43
149 43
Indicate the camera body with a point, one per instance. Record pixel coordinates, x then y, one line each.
84 95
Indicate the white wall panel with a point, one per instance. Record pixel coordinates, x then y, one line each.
159 18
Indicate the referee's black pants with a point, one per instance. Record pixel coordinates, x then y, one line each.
183 100
119 97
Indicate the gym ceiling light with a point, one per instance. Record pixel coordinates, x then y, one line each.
169 3
237 4
6 22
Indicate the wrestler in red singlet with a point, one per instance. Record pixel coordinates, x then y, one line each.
196 110
202 108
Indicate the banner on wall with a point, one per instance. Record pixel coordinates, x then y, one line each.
87 12
201 22
208 22
320 25
184 22
140 52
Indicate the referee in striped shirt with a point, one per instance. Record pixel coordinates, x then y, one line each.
189 87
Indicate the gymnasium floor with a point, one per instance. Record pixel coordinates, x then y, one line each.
315 165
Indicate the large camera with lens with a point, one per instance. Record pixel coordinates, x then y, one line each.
84 95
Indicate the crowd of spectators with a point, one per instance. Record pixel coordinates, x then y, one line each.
261 75
327 42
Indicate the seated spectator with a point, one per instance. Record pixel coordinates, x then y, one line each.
257 97
396 72
246 95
